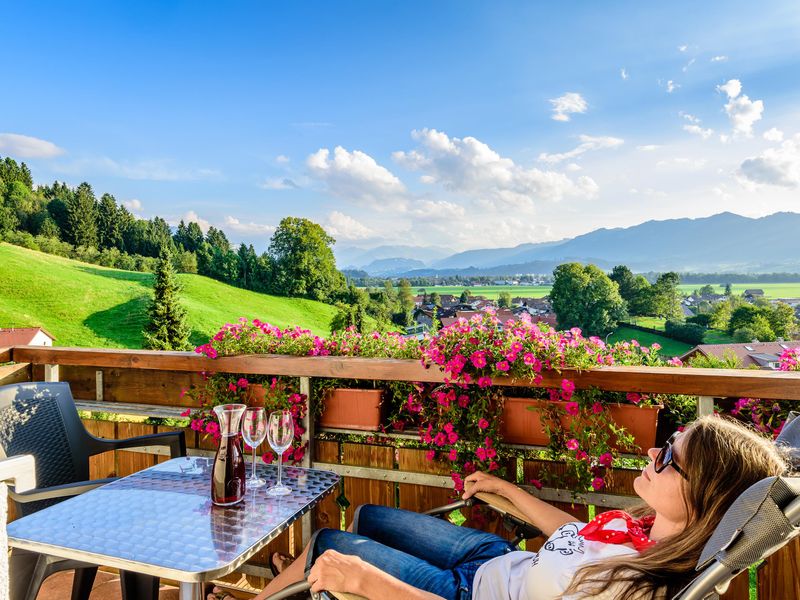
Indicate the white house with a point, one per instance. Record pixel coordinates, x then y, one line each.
25 336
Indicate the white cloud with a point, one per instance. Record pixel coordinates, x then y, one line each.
719 58
282 159
672 86
779 166
470 166
587 143
681 163
437 209
354 175
773 135
689 117
742 111
25 146
278 183
687 65
623 73
699 131
569 103
573 167
193 217
250 228
344 227
683 48
133 204
648 147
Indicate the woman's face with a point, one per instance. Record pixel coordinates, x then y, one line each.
664 492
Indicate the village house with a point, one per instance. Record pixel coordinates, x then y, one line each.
752 294
764 355
25 336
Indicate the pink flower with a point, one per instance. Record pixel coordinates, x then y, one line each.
528 358
242 383
598 483
299 453
633 397
567 386
268 457
573 444
452 437
452 455
605 459
483 423
484 382
480 452
478 359
232 387
675 361
493 466
581 455
440 439
197 424
597 408
655 346
463 400
212 427
187 412
502 366
536 483
430 454
572 408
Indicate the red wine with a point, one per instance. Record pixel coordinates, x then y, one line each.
228 477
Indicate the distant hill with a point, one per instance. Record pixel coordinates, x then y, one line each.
386 267
348 257
721 243
88 305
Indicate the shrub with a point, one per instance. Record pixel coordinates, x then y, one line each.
691 333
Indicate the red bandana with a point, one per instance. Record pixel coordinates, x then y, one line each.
636 533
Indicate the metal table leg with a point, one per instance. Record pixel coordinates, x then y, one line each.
191 591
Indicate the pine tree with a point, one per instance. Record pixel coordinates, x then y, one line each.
82 217
167 328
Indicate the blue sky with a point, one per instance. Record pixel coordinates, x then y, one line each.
453 124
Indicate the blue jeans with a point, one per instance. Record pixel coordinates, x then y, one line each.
426 552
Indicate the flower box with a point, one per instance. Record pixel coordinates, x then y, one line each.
521 425
345 408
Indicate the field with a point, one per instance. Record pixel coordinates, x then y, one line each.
669 347
771 290
492 292
86 305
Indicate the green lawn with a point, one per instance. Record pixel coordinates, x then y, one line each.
87 305
651 322
490 291
669 347
771 290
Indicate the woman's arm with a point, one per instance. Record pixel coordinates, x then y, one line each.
339 572
546 517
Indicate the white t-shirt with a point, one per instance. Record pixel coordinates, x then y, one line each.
546 574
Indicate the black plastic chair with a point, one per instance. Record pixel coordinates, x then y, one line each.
40 419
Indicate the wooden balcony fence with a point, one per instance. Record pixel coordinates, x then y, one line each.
148 384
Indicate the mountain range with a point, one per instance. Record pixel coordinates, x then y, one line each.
725 242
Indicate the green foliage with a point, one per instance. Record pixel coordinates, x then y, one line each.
585 297
465 297
304 262
744 335
167 328
109 223
666 297
729 360
82 217
691 333
435 299
504 300
703 319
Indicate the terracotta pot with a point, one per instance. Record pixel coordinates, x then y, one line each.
352 409
520 425
256 394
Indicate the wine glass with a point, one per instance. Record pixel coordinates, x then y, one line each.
280 434
254 430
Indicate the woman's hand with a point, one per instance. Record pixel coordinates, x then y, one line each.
483 482
338 572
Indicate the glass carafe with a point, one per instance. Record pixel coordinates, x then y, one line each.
228 473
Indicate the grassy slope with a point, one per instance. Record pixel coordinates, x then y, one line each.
87 305
669 347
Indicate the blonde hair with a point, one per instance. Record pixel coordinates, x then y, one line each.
721 458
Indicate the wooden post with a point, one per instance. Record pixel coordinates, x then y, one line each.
307 521
98 385
705 406
51 372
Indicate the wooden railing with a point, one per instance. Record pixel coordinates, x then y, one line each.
149 383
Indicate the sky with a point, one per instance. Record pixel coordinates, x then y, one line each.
455 124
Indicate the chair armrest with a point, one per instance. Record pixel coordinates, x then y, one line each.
176 440
57 491
21 470
345 596
502 505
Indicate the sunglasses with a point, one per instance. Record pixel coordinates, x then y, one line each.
666 458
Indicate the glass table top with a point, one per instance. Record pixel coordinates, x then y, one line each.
161 521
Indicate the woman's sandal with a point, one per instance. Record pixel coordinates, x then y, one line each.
286 558
218 594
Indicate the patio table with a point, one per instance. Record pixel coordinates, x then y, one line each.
160 522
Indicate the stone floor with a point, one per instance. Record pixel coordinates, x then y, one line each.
106 587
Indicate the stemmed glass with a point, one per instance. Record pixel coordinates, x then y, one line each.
254 430
280 434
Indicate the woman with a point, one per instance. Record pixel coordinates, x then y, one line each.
686 488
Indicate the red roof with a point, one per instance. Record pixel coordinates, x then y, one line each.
20 336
